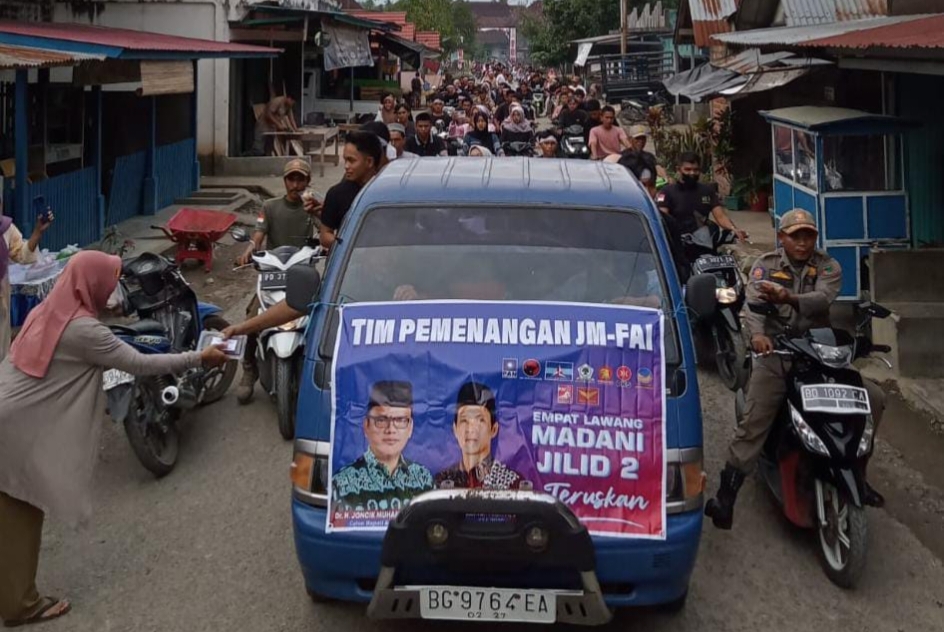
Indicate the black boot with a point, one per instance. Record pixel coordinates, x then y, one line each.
721 508
872 498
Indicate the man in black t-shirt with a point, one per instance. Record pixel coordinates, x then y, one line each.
690 202
362 160
425 143
573 115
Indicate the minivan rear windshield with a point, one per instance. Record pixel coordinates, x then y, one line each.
506 253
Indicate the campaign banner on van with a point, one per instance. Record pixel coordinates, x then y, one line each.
564 399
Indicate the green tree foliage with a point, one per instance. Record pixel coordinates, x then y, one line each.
566 20
452 20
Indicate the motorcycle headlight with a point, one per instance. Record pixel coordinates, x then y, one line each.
836 357
726 295
865 444
807 435
584 150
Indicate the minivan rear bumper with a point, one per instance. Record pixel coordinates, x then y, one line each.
631 572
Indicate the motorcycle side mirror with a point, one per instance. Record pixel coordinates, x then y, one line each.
764 309
700 295
302 284
239 234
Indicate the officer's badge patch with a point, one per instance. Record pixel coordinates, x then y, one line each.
758 274
829 270
781 275
811 272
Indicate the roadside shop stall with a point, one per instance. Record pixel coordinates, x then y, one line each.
846 168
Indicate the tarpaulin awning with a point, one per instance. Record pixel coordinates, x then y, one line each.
410 52
745 73
348 46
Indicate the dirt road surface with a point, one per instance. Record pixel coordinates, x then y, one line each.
210 548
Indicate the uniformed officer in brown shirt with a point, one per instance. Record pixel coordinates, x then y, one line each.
803 282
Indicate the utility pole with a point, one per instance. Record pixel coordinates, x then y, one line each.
624 30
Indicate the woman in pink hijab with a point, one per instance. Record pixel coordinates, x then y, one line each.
51 410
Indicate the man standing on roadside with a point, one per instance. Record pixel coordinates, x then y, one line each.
285 221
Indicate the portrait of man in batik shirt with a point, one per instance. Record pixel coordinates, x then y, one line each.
383 479
475 426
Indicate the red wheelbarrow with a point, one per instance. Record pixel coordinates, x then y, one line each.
195 230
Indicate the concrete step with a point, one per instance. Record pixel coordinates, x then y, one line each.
914 333
209 198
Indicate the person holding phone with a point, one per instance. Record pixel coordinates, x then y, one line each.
15 249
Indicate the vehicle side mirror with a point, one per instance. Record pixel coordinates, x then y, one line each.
700 295
239 234
876 311
302 284
764 309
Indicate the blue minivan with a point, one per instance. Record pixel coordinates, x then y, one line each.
589 207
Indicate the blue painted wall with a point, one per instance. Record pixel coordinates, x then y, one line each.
124 198
74 199
174 171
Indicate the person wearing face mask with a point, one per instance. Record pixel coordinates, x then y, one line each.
690 202
51 412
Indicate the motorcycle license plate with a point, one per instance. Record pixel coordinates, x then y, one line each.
716 261
835 398
487 604
272 280
113 377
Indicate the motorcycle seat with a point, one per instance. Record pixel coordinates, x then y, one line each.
284 253
146 327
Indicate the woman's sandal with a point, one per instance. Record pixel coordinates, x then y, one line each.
51 608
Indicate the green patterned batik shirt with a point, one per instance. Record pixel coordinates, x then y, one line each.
365 484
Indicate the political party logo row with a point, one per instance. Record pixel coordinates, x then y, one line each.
555 371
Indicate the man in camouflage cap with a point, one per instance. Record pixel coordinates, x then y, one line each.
802 282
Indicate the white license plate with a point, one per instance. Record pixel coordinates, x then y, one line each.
272 280
835 398
113 377
487 604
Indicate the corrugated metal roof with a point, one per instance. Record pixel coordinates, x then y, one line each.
12 57
800 35
391 17
710 17
926 32
125 38
813 12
